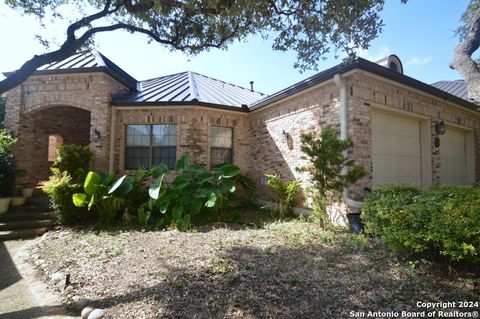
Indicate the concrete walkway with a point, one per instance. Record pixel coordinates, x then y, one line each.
22 293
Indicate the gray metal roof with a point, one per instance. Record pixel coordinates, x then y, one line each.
457 88
190 87
89 61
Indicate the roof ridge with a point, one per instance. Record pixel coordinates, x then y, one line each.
97 55
238 86
192 86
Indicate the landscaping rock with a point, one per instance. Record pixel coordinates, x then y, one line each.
57 277
86 312
83 302
97 314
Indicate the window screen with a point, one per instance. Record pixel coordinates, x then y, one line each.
221 147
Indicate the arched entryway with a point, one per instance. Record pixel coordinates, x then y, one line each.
41 132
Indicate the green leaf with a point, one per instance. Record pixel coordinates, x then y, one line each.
177 212
212 199
159 170
143 217
79 199
154 189
92 202
204 177
229 170
201 193
91 183
121 187
181 181
181 163
196 207
163 206
195 168
183 223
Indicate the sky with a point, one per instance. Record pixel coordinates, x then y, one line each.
420 33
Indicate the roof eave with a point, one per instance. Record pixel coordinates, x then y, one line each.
181 103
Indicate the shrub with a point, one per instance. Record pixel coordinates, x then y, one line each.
284 193
68 173
326 161
194 191
7 163
73 159
60 189
440 221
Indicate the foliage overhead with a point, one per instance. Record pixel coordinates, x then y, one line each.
311 28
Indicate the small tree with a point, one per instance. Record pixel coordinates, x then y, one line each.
7 163
326 160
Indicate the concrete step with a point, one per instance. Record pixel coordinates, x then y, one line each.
28 208
25 224
10 216
21 233
39 200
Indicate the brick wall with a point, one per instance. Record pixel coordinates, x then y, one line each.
193 131
29 106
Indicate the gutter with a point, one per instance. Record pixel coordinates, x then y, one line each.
340 83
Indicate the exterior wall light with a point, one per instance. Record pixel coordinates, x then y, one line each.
287 136
96 135
440 128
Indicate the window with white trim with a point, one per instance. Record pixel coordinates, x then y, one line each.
221 145
150 145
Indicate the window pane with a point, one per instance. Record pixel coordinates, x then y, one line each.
164 135
138 135
221 136
137 157
220 156
164 154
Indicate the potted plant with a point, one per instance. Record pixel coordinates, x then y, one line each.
27 190
17 199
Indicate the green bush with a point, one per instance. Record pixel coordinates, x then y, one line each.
68 173
7 163
60 189
284 193
443 220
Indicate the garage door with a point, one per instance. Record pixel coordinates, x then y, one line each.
396 150
453 157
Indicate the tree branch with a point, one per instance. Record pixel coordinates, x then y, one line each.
463 61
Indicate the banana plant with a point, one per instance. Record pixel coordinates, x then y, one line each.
193 190
104 195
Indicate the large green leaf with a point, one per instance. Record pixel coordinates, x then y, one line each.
91 183
92 202
163 206
195 168
204 177
183 223
159 170
229 170
154 189
121 187
177 212
212 199
181 163
201 193
195 207
181 181
79 199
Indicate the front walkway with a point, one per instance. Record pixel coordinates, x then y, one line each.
22 294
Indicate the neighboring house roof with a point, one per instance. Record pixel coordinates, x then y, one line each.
457 88
88 61
191 87
368 66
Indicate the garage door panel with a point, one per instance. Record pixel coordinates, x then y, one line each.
396 150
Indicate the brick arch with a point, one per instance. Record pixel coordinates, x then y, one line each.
47 105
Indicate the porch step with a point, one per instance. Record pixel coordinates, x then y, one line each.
30 220
25 224
22 233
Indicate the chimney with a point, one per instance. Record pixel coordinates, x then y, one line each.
251 86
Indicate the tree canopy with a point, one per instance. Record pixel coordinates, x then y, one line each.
311 28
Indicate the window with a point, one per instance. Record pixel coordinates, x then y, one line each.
150 145
221 147
54 142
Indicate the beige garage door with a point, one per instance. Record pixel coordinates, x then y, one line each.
396 150
453 157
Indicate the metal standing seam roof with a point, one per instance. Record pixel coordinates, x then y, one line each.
90 61
456 87
190 87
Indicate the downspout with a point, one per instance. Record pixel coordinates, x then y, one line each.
112 139
340 83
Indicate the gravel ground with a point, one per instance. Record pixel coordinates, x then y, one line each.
284 270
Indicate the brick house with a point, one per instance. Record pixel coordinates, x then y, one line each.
394 120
